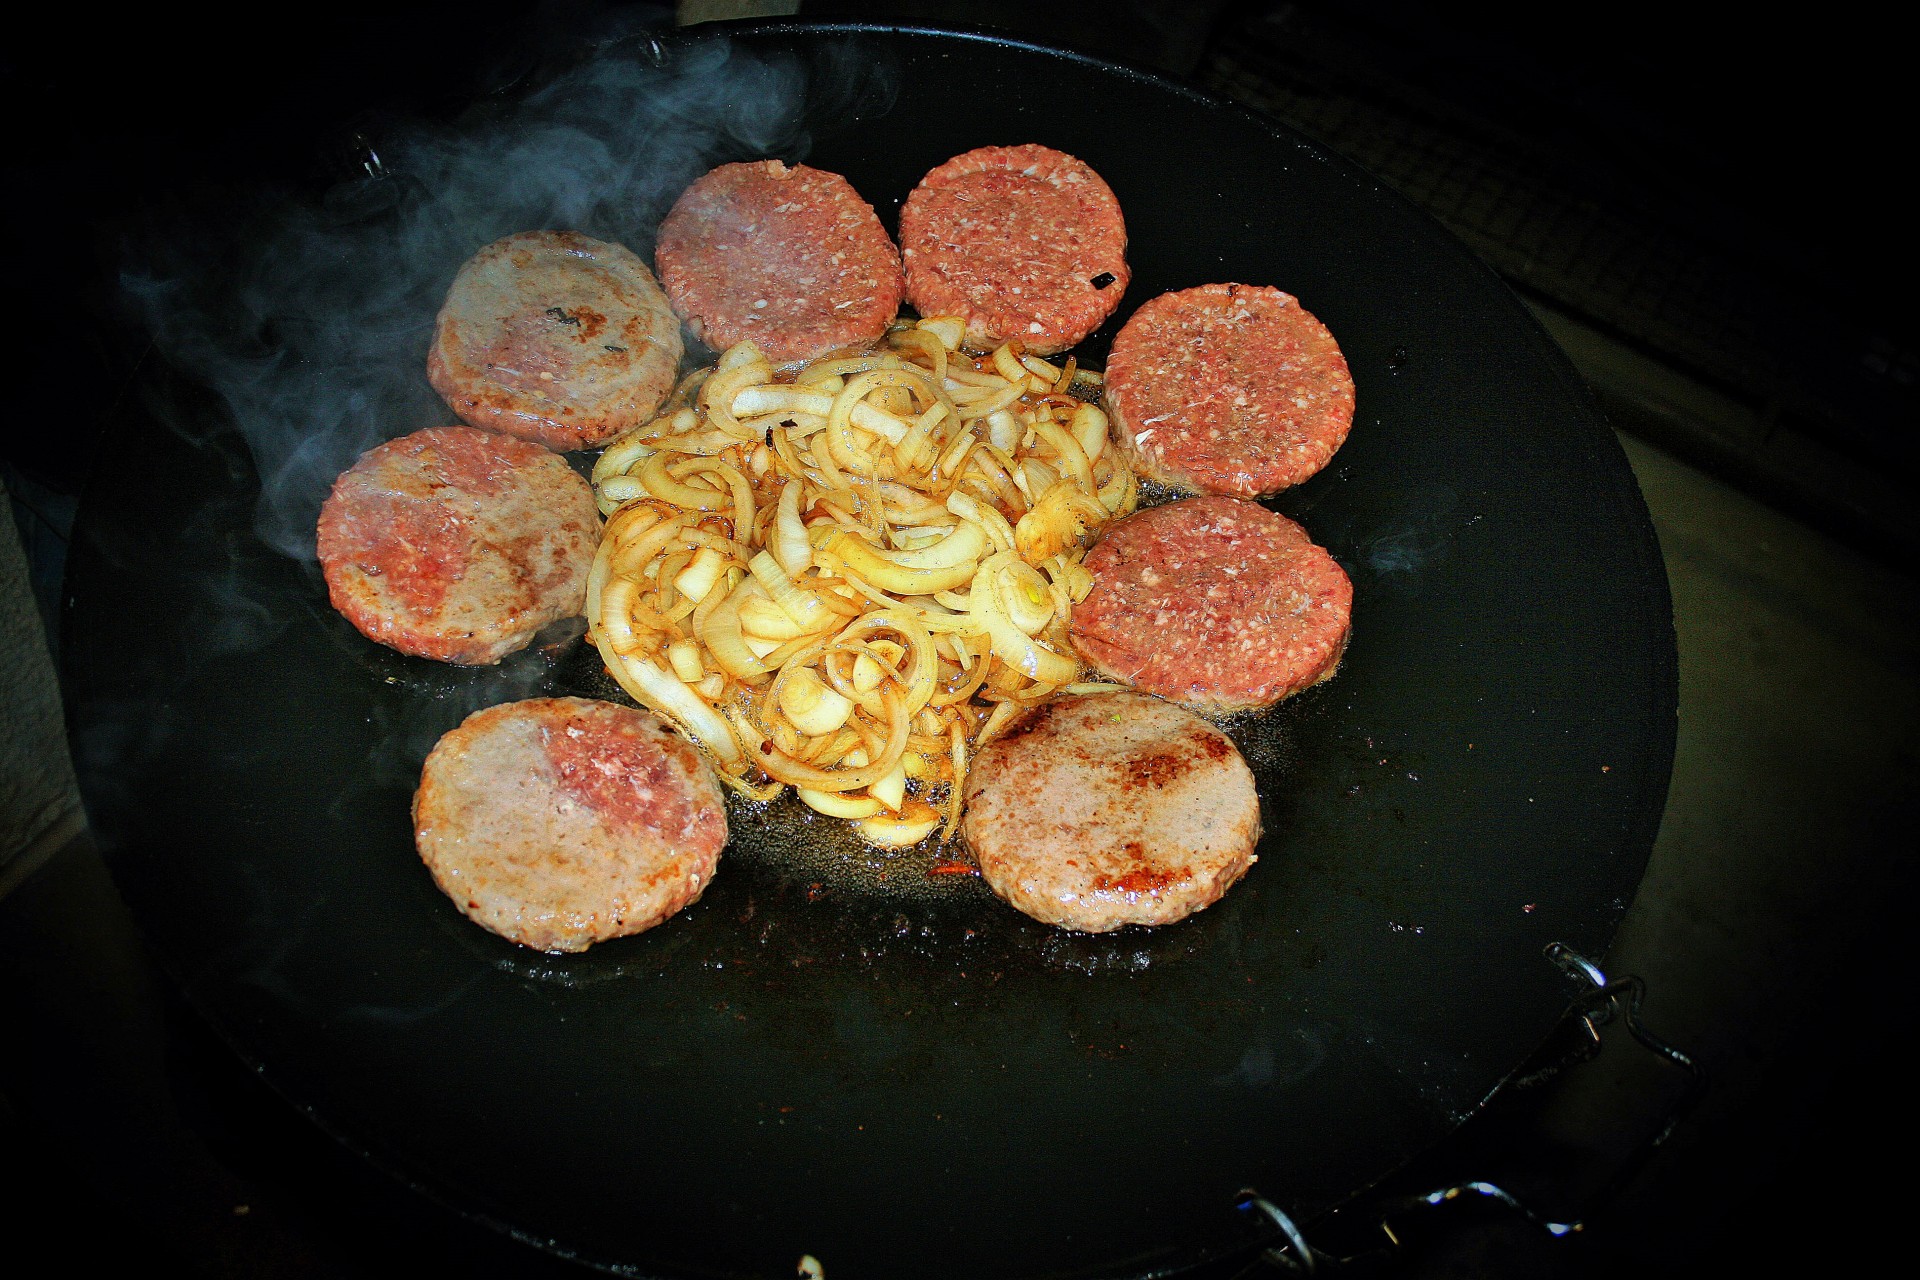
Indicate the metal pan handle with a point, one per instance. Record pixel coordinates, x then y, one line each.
1366 1231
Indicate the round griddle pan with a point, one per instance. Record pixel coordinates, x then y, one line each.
833 1052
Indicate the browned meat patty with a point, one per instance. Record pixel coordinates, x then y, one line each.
789 258
458 544
1111 809
1228 388
1215 603
562 822
555 337
1023 243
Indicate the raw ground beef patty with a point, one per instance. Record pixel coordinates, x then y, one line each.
562 822
1228 388
1213 602
787 257
555 337
1110 809
1023 243
458 544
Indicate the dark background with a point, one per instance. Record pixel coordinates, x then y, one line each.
1744 179
1764 160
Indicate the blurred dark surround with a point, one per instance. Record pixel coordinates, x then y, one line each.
1708 218
123 121
1705 215
1163 35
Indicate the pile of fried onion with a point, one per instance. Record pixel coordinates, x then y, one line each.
844 576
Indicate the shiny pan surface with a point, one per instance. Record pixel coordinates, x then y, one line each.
839 1054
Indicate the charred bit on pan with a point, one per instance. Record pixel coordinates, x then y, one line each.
1102 280
561 317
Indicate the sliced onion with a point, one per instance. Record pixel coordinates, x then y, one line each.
741 365
1058 522
847 657
684 657
790 546
922 666
802 606
838 806
776 398
998 531
947 564
762 619
928 343
737 486
813 708
616 631
1005 431
1000 473
1089 428
778 764
1002 713
1010 644
1025 597
937 618
615 490
1035 477
954 459
867 673
664 485
891 790
1040 369
632 554
906 537
1008 365
991 403
917 451
914 823
976 676
951 330
720 632
632 448
699 576
653 687
1073 459
1121 493
907 506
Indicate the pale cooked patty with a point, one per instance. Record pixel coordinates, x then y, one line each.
458 544
556 337
562 822
1110 809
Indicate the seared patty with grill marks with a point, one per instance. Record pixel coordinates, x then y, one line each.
1109 809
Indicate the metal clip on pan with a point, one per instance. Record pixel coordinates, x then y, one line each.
1594 1008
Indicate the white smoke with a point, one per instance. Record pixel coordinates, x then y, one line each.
311 318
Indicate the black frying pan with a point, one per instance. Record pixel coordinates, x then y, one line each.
832 1053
